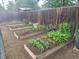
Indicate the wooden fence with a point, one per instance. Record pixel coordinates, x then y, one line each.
8 16
45 16
54 15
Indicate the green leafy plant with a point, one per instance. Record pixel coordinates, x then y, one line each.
37 26
58 3
62 34
65 27
59 37
40 44
50 27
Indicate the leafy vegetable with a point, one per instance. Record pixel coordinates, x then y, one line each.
62 34
40 44
65 27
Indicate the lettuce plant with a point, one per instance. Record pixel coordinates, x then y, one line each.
40 44
62 34
65 27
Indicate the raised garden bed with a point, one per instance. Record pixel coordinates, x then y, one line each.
26 33
20 28
36 54
32 31
17 27
12 25
23 26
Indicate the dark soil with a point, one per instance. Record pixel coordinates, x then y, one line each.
36 51
27 32
22 32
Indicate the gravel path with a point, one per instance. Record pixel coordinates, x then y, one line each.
15 50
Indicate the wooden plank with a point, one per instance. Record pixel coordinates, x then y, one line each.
29 35
20 28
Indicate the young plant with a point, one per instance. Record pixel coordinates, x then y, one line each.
40 44
37 26
62 34
65 27
51 27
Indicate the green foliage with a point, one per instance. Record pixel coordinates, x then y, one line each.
62 34
11 6
65 27
1 8
38 26
26 4
58 3
22 4
59 37
40 44
50 26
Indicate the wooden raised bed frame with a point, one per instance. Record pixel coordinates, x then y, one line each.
19 28
14 25
29 35
46 53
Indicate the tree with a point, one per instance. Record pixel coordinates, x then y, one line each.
11 6
26 4
1 8
58 3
